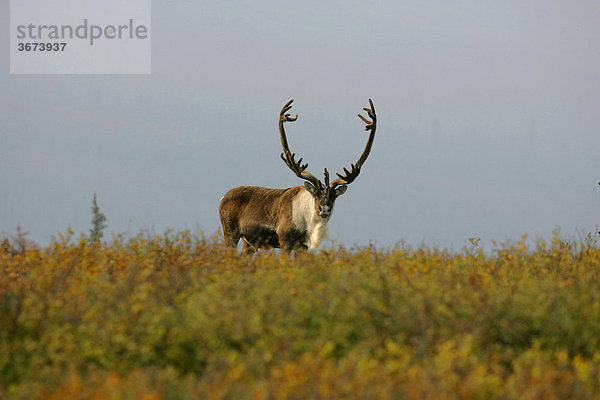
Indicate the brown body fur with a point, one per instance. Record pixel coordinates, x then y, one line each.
262 217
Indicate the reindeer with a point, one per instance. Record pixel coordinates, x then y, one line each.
292 218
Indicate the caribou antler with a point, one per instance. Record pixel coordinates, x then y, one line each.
350 176
287 156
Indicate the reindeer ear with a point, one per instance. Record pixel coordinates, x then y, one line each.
340 190
310 187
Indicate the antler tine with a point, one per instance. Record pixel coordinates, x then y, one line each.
350 176
285 109
294 165
287 156
326 177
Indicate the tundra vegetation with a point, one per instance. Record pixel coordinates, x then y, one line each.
182 316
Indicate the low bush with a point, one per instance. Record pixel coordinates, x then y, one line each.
179 316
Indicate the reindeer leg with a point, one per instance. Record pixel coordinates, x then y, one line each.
248 248
231 237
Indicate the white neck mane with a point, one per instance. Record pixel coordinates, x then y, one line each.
306 219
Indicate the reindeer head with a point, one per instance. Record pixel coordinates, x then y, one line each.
325 195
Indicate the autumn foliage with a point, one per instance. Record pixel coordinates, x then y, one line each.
179 316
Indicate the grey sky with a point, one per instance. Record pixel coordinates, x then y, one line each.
488 120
